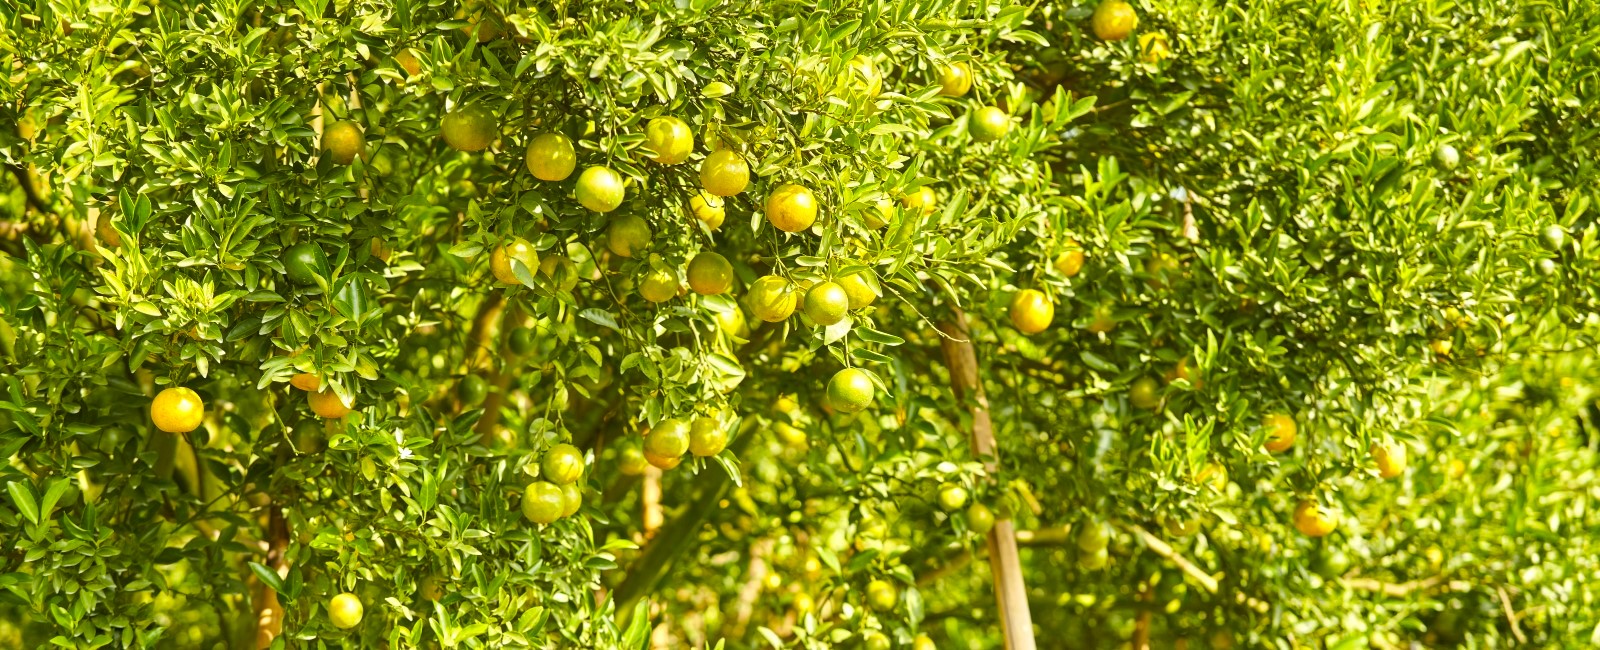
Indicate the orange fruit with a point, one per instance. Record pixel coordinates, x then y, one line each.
980 518
561 270
551 157
882 596
708 209
1390 458
483 27
861 287
880 216
1441 347
827 303
1113 20
952 497
407 58
771 298
177 410
1144 393
1070 261
659 285
1031 311
632 461
542 502
1215 476
791 208
1280 432
955 80
669 140
1153 47
1182 371
600 189
305 381
663 462
724 173
344 142
517 249
326 404
707 437
669 439
732 322
922 201
469 128
989 124
923 641
710 274
571 499
345 611
563 464
850 390
1312 520
1102 320
627 235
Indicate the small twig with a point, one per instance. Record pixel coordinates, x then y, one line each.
1511 615
1166 551
1403 589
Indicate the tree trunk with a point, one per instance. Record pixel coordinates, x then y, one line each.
1016 623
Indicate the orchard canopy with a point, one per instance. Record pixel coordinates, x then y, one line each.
828 324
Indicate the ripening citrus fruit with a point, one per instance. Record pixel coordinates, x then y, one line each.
1101 320
882 596
922 201
484 27
955 80
771 298
924 642
1093 536
732 322
571 499
1215 476
1441 347
708 209
1144 393
1113 20
1312 520
343 142
563 464
874 640
517 249
327 404
666 443
1182 371
952 497
560 270
827 303
1031 311
980 519
431 587
551 157
1153 47
1390 457
407 58
850 390
305 381
632 461
521 342
472 389
707 437
791 208
669 140
659 285
861 287
542 502
303 262
1093 560
1445 157
177 410
1280 432
710 274
627 235
345 611
988 124
600 189
880 215
1070 261
469 128
724 173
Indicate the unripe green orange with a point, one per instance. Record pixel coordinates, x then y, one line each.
469 128
710 274
627 235
827 303
551 157
600 189
850 390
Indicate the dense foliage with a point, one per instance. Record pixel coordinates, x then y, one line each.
1284 315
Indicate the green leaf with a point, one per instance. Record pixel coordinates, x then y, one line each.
22 498
267 576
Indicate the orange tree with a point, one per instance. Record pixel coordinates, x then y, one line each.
617 324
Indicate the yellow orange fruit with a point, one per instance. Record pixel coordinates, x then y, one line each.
469 128
922 201
1070 261
771 298
791 208
627 235
1280 432
708 209
1113 20
850 390
669 140
305 381
862 288
659 285
516 249
327 404
1312 520
710 274
345 611
955 80
177 410
1031 311
1390 458
724 173
551 157
344 142
600 189
827 303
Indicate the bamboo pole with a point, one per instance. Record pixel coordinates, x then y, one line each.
1016 623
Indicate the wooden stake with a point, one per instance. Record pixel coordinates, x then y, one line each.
1016 623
